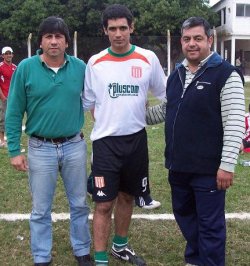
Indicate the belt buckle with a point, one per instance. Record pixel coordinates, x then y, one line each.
56 141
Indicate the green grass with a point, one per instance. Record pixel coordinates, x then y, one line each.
160 242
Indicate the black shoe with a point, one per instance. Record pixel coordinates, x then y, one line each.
90 186
43 263
128 254
84 260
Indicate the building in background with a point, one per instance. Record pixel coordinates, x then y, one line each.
233 31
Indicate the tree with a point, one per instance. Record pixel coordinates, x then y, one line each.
18 18
155 17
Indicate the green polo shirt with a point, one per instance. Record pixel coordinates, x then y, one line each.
51 101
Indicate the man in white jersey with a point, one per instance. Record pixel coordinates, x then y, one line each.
116 86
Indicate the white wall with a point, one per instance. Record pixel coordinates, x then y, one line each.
234 25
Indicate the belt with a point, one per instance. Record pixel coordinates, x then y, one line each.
54 140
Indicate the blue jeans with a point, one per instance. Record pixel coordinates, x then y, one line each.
46 160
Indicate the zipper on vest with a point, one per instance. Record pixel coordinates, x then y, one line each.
173 135
193 80
178 108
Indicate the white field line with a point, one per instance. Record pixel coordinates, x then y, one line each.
11 217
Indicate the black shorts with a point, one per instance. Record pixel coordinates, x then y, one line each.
120 163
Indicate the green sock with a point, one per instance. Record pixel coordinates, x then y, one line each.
120 242
101 258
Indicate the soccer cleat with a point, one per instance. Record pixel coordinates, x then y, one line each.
152 205
128 254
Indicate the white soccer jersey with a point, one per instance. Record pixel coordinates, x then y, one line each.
116 87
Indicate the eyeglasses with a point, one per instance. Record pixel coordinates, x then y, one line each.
8 53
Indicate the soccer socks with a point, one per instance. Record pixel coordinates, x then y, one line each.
120 242
101 258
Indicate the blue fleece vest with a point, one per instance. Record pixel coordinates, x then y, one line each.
193 128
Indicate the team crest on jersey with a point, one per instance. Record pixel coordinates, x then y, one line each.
136 71
116 90
99 181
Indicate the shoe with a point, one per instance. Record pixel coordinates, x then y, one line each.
43 263
84 260
128 254
152 205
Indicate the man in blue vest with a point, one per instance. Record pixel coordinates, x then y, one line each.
204 129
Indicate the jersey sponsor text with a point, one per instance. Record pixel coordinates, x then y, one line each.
116 90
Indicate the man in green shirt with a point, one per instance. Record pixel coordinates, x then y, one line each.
48 87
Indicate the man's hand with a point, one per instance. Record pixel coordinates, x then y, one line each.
224 179
19 163
3 98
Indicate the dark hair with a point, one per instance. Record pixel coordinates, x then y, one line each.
197 21
53 25
116 11
249 108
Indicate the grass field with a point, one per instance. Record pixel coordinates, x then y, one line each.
159 242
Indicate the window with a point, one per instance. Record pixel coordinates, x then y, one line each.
221 14
247 11
224 15
219 19
239 10
242 10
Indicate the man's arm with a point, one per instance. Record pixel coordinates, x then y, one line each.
88 97
158 80
156 114
15 111
232 112
2 97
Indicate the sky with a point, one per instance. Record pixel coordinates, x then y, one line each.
212 2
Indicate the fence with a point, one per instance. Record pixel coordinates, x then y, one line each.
84 47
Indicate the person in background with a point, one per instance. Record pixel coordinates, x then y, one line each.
238 63
245 147
147 202
7 69
48 87
116 88
204 128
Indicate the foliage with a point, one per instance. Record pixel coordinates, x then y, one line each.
18 18
156 17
